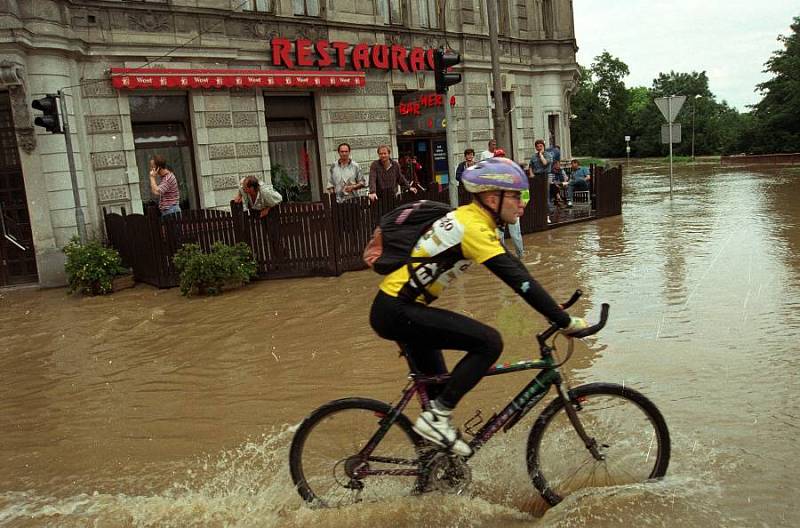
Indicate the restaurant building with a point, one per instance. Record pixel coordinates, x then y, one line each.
230 88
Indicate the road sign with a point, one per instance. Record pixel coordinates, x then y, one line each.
627 138
676 133
670 106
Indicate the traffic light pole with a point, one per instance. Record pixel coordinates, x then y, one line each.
72 174
449 129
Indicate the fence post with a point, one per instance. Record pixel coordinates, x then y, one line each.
240 232
334 232
157 243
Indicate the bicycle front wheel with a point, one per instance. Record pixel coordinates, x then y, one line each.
331 467
630 433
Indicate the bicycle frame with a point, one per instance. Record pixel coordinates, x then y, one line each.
519 406
514 411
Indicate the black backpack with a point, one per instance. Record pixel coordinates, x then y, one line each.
397 233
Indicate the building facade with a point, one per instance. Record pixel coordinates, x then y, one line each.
230 88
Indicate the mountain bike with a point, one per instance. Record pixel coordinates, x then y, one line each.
598 434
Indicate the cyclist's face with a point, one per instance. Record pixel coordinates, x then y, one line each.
512 208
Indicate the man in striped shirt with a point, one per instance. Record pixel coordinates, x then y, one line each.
167 189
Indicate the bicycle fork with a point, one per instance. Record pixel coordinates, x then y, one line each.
572 407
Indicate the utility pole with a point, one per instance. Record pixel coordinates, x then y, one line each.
694 108
499 109
72 174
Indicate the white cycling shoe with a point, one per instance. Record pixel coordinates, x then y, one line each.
434 426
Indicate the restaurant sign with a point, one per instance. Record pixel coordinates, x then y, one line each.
157 78
304 53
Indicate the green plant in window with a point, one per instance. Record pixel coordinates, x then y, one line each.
289 188
209 273
91 267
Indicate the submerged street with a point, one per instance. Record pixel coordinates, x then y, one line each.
144 408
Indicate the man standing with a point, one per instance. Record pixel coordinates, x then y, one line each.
385 175
578 180
346 178
167 189
469 161
486 154
540 167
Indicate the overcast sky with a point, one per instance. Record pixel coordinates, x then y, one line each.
728 39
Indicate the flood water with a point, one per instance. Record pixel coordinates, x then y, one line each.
144 408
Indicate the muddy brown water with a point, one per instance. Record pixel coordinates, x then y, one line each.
147 409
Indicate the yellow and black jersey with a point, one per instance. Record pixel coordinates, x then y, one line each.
468 234
452 243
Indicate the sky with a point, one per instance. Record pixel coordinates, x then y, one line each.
728 39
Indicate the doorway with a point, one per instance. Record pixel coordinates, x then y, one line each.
161 125
17 255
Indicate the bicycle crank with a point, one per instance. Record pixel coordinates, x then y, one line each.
447 473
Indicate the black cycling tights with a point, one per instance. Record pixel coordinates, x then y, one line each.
422 332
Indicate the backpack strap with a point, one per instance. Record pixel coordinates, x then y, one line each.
412 277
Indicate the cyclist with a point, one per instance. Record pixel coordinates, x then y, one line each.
400 311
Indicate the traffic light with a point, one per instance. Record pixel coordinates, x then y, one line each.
442 61
49 119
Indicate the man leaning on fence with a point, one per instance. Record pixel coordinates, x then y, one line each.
385 175
346 178
255 196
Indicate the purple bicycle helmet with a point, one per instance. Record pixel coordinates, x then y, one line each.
494 174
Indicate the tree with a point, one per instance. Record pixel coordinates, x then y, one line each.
776 127
601 107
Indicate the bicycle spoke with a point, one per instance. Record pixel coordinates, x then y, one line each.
328 465
632 445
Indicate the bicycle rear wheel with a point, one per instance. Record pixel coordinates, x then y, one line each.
326 460
630 432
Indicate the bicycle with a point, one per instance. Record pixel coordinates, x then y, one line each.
593 434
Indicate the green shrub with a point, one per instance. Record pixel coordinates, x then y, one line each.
208 273
91 267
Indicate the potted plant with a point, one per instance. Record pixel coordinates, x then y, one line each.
209 273
91 267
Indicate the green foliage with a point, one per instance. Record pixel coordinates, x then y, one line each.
777 127
91 267
289 187
208 273
606 111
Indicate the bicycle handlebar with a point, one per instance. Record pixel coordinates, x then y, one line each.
604 308
595 328
572 300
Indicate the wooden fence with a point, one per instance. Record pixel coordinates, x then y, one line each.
305 239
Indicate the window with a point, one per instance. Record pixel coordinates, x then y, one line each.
293 153
428 13
306 7
264 6
391 11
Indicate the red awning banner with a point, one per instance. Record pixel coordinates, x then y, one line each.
156 78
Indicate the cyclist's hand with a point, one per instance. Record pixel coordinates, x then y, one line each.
576 324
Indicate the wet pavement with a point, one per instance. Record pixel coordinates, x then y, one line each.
144 408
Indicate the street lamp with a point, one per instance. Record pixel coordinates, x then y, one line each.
694 107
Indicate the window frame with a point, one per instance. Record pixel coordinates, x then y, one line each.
305 12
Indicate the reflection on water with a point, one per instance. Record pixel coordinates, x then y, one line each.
147 409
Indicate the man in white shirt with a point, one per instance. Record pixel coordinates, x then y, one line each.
486 154
346 178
